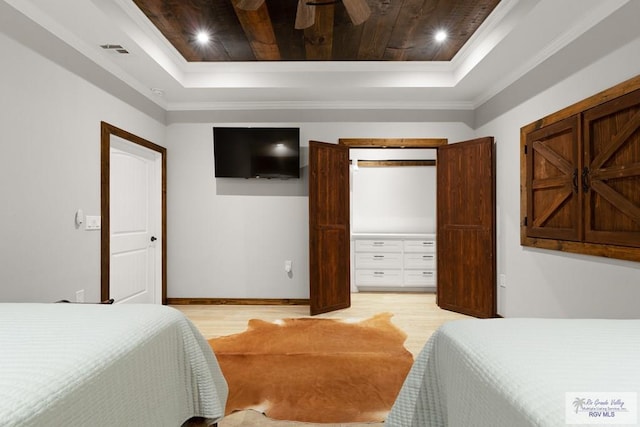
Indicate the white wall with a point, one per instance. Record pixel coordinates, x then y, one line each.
229 238
400 199
393 199
543 283
49 168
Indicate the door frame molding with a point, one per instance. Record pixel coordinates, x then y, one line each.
106 130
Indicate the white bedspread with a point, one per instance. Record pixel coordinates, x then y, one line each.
515 372
104 365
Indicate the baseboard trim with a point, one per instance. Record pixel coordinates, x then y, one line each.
236 301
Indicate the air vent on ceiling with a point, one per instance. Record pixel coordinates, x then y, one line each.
115 47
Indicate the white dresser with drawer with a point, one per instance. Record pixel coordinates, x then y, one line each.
394 262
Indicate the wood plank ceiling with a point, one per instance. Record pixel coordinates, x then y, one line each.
396 30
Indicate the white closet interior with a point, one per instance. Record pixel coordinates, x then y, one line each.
393 220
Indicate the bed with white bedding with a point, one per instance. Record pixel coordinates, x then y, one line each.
521 372
105 365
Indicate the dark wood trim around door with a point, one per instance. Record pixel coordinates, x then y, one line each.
106 130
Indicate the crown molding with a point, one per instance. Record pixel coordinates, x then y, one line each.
318 105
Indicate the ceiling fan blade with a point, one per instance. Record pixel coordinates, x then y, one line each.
305 15
358 10
248 4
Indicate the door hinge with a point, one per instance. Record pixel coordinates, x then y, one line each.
525 149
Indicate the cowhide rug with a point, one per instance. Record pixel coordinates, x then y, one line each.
315 370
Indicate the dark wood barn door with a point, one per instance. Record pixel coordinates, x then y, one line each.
329 235
466 228
554 177
612 172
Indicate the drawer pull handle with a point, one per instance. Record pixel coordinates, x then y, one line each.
378 256
427 256
378 273
427 243
378 243
427 273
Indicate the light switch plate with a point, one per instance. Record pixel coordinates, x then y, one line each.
93 222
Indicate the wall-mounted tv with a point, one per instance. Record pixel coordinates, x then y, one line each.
256 152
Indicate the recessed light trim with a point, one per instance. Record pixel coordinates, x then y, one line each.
440 36
203 37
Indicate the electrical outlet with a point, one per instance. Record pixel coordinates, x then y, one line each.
502 281
80 295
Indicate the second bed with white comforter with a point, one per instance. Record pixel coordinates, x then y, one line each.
518 372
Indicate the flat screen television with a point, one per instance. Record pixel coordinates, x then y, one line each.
256 152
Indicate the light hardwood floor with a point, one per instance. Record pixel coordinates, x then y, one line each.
415 313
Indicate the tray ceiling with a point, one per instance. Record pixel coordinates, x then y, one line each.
492 46
265 30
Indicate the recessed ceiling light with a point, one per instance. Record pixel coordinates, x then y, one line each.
441 36
202 37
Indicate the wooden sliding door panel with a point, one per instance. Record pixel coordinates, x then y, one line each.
466 228
329 238
612 172
554 178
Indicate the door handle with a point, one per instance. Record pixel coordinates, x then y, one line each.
585 179
153 238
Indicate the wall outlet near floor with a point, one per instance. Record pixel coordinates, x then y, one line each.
502 281
80 295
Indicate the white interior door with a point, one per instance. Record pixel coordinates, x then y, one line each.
135 272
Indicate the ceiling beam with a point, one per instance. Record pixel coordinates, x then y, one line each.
318 39
257 26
